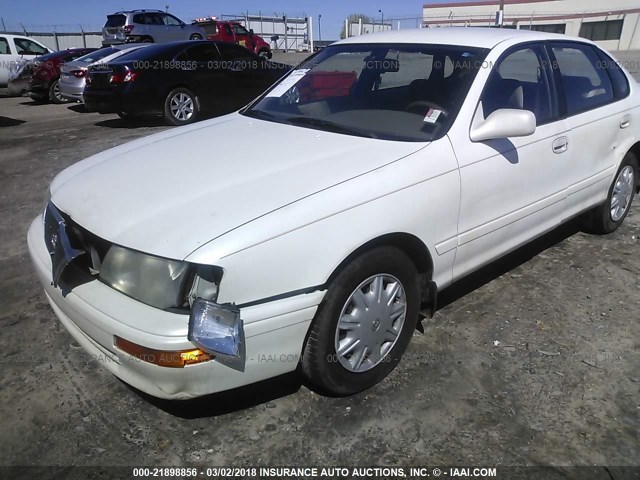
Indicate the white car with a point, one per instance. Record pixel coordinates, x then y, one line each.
15 51
377 173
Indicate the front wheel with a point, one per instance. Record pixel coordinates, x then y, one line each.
608 217
364 323
195 36
181 107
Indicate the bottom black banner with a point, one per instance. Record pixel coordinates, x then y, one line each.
320 472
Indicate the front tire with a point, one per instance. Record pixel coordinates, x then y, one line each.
608 217
195 36
364 324
181 107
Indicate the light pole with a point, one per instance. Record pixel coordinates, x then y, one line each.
382 13
319 28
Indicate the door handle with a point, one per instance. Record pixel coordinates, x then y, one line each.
626 122
560 145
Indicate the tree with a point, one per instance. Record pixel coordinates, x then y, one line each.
355 18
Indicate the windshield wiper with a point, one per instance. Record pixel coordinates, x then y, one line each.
328 126
263 115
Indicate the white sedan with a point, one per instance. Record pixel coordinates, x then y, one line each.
334 207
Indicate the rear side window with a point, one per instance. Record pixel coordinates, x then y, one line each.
115 21
141 18
621 88
586 85
4 47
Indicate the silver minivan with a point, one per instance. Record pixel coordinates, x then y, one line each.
147 26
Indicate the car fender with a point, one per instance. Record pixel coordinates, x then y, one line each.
298 247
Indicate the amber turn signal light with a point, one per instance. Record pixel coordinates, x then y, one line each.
170 359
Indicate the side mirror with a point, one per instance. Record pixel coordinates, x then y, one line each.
251 32
503 123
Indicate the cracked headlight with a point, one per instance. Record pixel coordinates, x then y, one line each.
156 281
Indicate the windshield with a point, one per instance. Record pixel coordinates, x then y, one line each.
97 55
392 92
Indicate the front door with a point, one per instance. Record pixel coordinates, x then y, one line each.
513 189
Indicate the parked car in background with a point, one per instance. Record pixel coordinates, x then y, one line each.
15 51
233 32
218 255
73 74
180 80
41 76
147 26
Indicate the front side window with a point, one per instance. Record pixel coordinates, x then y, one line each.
240 30
520 81
586 85
24 46
393 92
172 21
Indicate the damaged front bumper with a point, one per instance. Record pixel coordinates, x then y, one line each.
96 315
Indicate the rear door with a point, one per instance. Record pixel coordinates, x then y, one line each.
598 114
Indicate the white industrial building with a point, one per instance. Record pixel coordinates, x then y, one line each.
614 24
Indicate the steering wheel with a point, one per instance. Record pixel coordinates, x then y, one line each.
421 107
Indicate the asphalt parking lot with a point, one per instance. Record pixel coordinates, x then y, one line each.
534 360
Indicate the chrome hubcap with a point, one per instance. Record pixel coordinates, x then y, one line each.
622 193
182 106
370 323
56 91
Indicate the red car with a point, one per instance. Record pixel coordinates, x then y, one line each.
41 76
233 32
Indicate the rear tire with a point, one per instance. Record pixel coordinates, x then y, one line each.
195 36
181 107
362 328
608 217
54 93
147 40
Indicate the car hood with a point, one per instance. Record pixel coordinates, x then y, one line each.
170 193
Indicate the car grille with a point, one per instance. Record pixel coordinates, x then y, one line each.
76 254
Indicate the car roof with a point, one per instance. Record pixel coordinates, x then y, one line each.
144 10
462 36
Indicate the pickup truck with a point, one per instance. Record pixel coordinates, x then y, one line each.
233 32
